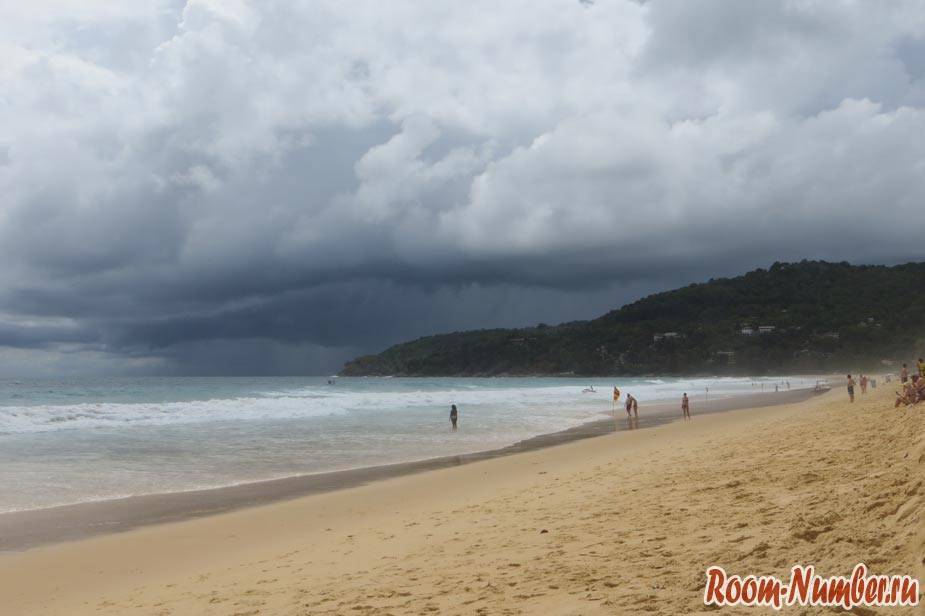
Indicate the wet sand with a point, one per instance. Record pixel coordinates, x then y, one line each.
23 530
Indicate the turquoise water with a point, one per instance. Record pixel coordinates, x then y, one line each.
67 441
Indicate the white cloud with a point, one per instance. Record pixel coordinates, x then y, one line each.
190 149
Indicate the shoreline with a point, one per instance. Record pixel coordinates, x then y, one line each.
627 522
24 530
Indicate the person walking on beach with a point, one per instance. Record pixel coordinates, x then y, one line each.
632 406
863 382
850 388
904 374
685 406
454 416
921 367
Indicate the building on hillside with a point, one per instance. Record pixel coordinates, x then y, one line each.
665 336
766 329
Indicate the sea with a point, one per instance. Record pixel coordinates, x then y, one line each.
65 441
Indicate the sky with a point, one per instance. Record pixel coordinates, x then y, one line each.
237 187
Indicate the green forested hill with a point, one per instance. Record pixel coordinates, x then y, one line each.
825 316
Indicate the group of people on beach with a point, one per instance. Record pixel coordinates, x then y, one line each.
912 392
631 405
912 387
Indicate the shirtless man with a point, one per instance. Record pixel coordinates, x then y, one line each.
629 405
850 388
904 374
685 406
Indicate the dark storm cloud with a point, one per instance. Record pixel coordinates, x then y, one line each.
234 187
31 336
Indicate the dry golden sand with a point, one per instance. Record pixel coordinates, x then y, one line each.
620 524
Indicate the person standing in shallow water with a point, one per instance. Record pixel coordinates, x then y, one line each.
686 406
632 411
454 416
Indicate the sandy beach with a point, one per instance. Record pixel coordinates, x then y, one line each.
621 523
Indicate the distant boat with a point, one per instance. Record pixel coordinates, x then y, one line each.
589 390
